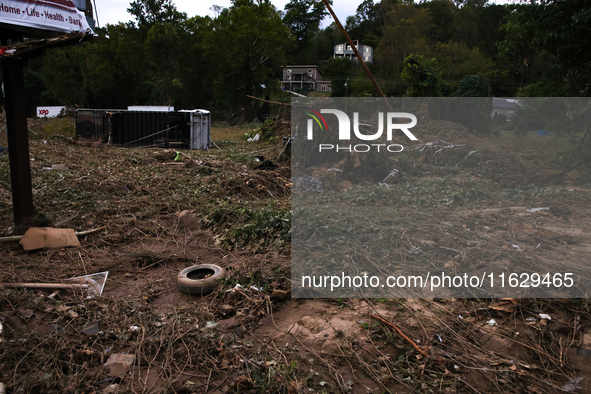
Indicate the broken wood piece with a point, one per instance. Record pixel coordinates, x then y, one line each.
417 348
245 296
47 237
57 286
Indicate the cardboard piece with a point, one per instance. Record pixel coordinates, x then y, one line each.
119 363
47 237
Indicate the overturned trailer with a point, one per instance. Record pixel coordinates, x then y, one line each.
189 129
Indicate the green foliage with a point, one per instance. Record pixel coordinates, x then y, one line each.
455 60
241 225
303 18
548 42
338 70
166 59
265 131
473 86
403 34
364 24
246 49
421 77
325 40
150 12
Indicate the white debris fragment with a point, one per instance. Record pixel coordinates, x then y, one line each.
238 287
211 324
545 316
492 323
538 209
573 384
255 138
394 172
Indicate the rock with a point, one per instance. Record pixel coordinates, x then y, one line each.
229 323
278 295
119 363
452 266
111 389
91 329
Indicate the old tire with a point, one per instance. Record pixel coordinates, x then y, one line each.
200 279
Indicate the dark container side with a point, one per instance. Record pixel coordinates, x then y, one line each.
134 128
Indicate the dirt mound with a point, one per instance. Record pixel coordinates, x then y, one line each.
444 130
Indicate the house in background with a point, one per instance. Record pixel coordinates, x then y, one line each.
345 50
304 77
503 106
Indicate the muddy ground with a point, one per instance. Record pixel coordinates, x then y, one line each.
217 207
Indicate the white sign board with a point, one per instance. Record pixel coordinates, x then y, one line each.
53 15
49 112
154 108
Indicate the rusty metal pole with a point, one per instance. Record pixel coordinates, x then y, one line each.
359 57
18 141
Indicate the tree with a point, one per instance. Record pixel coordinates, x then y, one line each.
338 70
455 60
149 12
473 86
363 25
548 42
164 51
402 35
245 49
465 108
326 39
442 15
303 18
421 77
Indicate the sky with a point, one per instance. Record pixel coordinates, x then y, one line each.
115 11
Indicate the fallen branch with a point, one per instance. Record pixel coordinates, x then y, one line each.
283 150
579 164
268 101
59 286
417 348
78 234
